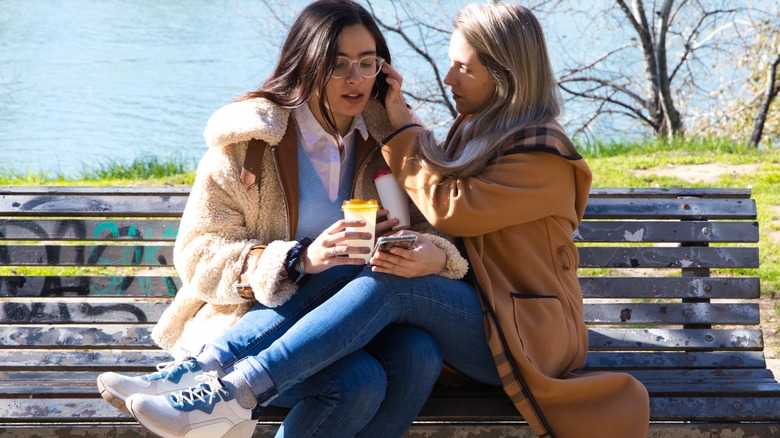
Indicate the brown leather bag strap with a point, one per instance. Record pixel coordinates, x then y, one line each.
253 162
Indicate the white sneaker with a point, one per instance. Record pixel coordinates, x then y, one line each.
208 410
170 376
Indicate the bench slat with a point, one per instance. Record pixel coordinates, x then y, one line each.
97 286
688 208
37 384
621 192
672 313
127 360
87 255
668 257
69 191
592 287
140 360
671 287
762 375
469 408
749 408
135 336
672 192
131 360
674 339
89 229
604 360
53 311
123 205
170 206
677 231
600 339
590 257
166 229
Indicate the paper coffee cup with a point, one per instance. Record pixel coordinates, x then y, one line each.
358 209
394 198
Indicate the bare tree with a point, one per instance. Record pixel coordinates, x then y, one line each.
770 93
654 74
675 40
744 108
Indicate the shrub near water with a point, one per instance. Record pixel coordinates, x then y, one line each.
144 168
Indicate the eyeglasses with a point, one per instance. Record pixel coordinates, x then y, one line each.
368 66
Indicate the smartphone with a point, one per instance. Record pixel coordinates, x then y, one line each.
406 241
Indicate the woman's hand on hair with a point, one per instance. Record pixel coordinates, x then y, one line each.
426 258
397 110
330 248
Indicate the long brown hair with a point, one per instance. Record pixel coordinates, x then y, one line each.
509 42
309 53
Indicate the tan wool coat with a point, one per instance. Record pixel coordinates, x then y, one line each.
224 219
517 218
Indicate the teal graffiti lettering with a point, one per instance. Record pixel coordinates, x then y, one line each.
93 291
170 232
110 226
145 283
171 286
150 255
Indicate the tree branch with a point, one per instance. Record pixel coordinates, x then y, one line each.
637 112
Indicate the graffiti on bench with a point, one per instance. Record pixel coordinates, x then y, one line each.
101 255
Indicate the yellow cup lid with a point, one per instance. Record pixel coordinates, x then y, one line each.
360 205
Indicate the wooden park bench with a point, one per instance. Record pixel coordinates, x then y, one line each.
666 275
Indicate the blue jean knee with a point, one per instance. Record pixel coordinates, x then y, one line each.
412 360
338 401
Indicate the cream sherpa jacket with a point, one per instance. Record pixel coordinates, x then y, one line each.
223 220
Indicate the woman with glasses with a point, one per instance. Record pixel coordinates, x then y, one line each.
262 242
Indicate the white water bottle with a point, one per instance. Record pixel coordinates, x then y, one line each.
393 197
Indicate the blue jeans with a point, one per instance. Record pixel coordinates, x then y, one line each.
374 393
448 310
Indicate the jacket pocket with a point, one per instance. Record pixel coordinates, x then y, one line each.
543 331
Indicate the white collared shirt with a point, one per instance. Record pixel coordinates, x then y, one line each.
322 149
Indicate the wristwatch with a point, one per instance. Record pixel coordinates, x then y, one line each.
244 289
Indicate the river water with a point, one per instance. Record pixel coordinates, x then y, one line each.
87 82
84 82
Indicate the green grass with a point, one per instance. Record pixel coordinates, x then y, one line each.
649 165
147 170
625 164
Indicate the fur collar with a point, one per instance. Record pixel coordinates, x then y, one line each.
245 120
264 120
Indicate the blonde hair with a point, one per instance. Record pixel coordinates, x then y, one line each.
509 42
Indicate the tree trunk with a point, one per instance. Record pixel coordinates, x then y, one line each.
638 20
771 92
671 118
